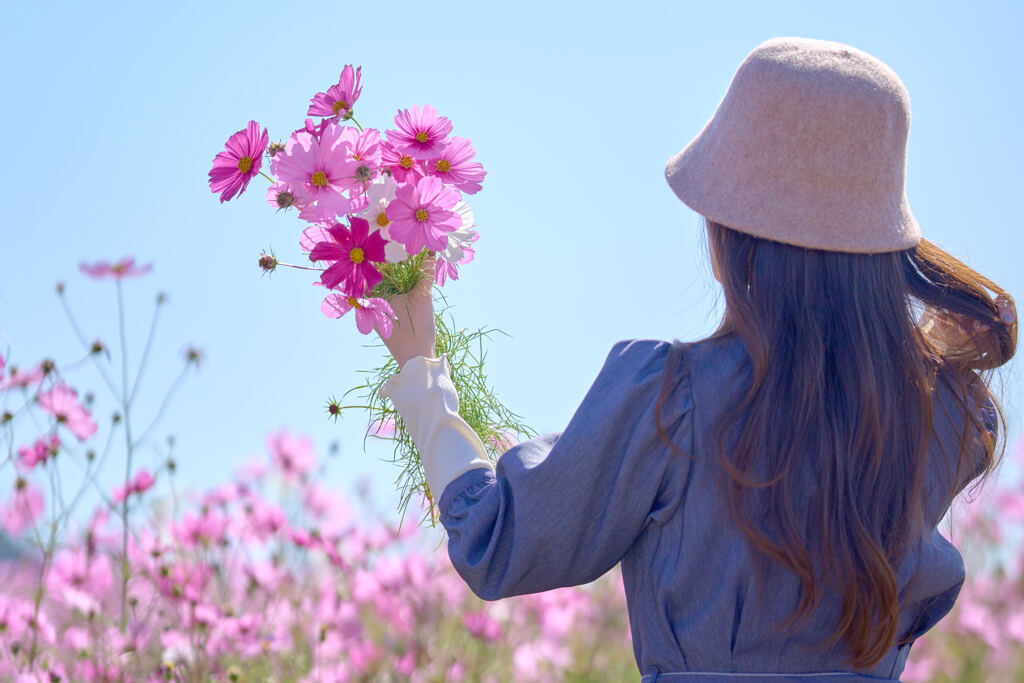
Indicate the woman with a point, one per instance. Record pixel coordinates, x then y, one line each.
772 491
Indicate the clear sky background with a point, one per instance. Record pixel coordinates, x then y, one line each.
113 112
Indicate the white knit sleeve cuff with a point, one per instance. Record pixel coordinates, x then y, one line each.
423 394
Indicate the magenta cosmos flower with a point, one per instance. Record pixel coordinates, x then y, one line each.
422 215
121 269
454 166
317 169
371 313
353 253
338 99
239 162
62 402
422 133
39 452
403 167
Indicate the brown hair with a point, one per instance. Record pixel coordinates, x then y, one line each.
840 368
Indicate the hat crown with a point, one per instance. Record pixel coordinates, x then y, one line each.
807 147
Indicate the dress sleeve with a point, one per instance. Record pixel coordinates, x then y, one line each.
561 510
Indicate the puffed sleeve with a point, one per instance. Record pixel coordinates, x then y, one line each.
561 510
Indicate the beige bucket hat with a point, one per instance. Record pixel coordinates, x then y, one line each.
808 147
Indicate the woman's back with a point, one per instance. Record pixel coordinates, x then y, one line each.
688 570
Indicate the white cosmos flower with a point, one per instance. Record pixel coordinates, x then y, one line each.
461 239
380 193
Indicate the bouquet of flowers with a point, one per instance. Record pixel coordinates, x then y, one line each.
375 208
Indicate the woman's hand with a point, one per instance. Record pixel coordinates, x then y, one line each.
413 333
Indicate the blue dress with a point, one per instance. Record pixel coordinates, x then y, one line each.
561 510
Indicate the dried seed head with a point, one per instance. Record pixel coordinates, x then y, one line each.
275 147
284 199
268 262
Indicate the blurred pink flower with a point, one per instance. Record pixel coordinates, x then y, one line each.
38 452
482 626
339 98
23 509
118 270
18 378
292 455
240 161
421 132
142 482
62 402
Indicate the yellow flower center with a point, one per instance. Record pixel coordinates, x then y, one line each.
421 215
405 162
352 302
319 179
339 105
356 255
245 164
421 137
382 220
356 157
443 166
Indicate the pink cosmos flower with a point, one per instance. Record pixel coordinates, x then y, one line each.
142 482
453 166
403 167
422 215
62 402
422 133
364 156
239 162
293 455
22 510
353 253
281 196
338 99
18 378
316 169
121 269
39 451
372 313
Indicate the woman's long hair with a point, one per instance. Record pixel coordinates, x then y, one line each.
843 371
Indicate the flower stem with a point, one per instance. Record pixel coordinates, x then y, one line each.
291 265
125 406
353 120
272 181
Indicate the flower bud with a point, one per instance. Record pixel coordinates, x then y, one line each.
275 147
97 347
284 199
171 465
115 418
7 417
59 287
161 297
47 366
89 398
267 262
193 356
364 174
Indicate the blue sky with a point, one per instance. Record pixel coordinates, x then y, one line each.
113 112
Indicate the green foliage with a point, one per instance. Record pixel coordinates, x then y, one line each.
497 426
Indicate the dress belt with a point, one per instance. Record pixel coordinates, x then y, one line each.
722 677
